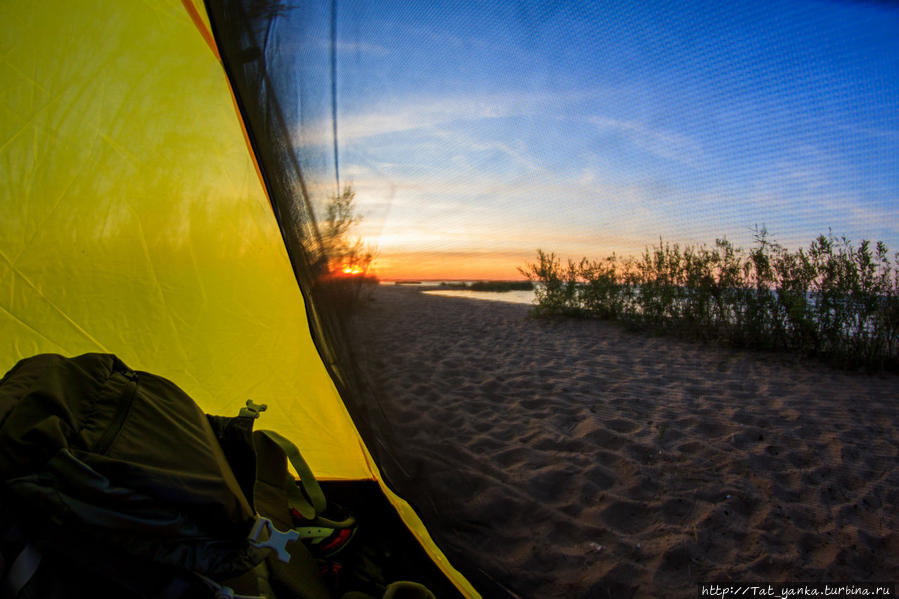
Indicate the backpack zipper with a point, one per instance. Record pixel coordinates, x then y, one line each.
127 399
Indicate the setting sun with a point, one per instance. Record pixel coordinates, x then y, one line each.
351 269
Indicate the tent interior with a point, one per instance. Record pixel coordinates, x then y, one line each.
136 221
168 168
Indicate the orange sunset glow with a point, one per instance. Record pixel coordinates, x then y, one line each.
450 266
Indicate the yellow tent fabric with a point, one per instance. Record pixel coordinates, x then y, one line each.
134 222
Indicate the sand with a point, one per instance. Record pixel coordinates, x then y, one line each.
569 458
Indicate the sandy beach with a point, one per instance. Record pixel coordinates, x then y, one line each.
569 458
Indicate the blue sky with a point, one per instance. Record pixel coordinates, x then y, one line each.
475 133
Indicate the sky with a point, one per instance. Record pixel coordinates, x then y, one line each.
476 133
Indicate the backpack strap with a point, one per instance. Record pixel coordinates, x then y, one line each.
310 502
21 570
225 592
276 492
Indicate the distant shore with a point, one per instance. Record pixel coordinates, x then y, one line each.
567 458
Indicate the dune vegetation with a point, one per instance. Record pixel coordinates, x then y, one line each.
835 299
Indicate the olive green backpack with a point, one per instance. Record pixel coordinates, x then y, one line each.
114 483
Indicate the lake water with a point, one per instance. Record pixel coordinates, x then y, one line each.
514 297
433 288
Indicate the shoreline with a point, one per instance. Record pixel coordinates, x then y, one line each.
567 458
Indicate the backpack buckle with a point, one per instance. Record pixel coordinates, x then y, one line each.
264 535
253 410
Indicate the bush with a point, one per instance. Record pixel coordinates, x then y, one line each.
342 264
834 299
557 292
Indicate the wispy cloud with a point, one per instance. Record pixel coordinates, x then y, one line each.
439 38
398 115
418 114
342 47
467 145
884 133
447 213
659 142
357 47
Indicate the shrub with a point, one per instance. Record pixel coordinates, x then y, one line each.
557 292
834 299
